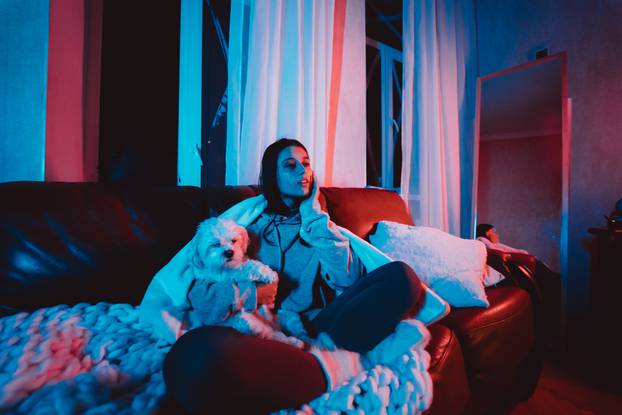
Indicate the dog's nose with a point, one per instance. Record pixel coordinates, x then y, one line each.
229 253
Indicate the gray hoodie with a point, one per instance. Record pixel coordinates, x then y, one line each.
308 273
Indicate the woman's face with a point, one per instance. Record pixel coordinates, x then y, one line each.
294 176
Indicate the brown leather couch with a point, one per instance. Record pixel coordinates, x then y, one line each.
83 242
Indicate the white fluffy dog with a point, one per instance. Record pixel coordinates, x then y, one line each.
218 254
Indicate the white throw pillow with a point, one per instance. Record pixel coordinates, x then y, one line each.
451 266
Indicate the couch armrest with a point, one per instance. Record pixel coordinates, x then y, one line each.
498 261
524 260
519 269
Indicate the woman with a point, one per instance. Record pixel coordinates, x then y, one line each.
215 368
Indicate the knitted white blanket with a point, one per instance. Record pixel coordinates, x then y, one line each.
93 359
98 359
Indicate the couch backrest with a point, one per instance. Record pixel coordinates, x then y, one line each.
360 209
64 243
82 242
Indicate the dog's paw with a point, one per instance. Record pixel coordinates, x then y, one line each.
267 274
292 341
260 272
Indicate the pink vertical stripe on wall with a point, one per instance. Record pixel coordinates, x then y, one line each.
339 20
64 114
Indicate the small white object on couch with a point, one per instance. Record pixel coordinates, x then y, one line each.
492 276
453 267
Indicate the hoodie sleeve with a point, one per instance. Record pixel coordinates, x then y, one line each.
338 265
341 276
214 302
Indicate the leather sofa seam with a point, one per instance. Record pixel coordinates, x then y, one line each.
494 323
445 352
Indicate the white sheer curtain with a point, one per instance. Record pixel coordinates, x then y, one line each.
435 51
297 70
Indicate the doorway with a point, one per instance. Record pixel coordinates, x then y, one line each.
522 139
521 168
139 92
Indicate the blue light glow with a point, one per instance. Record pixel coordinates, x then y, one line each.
24 27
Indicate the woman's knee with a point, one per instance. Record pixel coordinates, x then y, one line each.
200 347
404 280
194 369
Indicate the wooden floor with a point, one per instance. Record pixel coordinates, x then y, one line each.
570 389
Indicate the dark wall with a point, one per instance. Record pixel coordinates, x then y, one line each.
139 92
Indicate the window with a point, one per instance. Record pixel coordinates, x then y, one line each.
384 93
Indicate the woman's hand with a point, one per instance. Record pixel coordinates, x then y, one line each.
266 293
310 207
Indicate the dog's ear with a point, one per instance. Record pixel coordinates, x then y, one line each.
197 262
194 259
244 240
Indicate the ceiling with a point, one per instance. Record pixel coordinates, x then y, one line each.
522 102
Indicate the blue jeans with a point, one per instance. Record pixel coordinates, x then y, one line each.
369 310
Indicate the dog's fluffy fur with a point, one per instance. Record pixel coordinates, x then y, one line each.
218 254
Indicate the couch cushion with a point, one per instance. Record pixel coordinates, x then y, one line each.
359 209
451 386
495 341
82 242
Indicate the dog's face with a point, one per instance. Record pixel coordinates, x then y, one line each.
219 244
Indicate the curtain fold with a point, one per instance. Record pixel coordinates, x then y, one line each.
297 70
435 39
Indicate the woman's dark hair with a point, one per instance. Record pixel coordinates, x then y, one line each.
481 229
267 177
